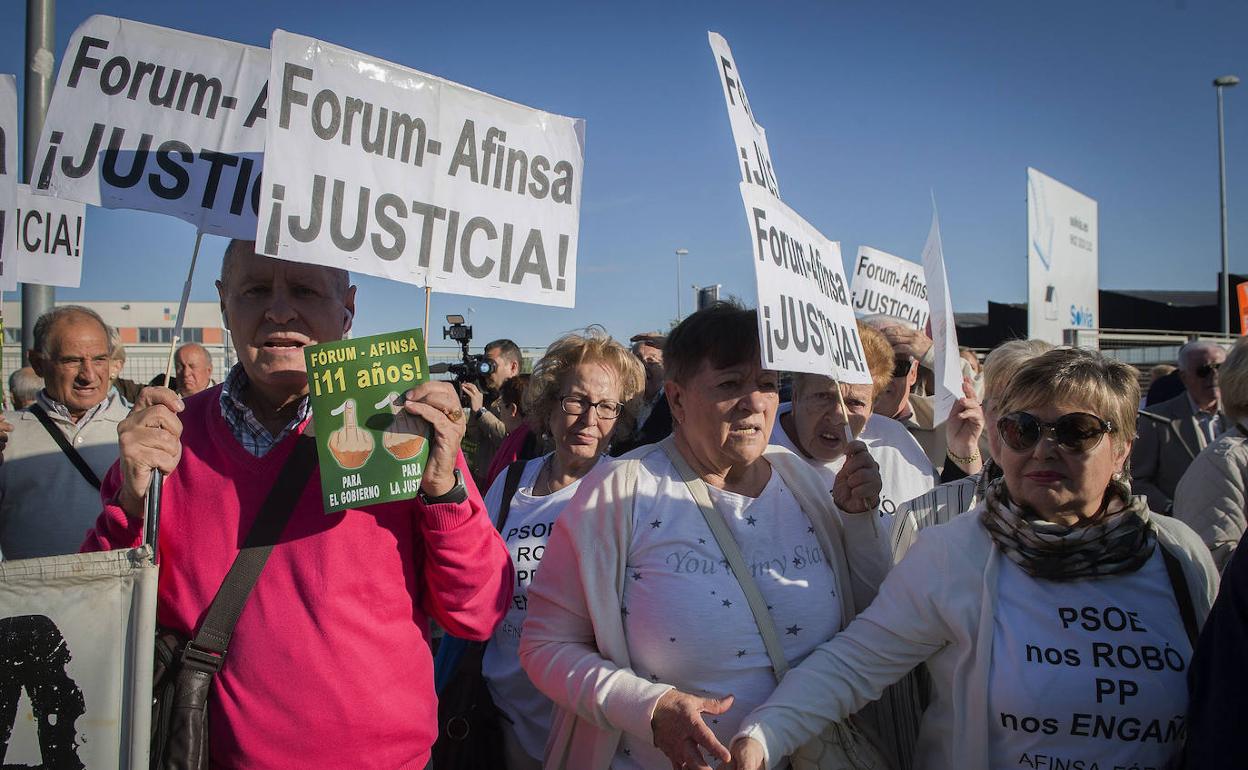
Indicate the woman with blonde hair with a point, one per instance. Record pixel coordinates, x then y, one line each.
1057 618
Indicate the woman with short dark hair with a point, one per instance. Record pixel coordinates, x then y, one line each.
684 577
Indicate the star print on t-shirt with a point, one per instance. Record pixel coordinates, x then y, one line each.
793 630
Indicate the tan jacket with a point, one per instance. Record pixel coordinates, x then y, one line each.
46 506
1210 497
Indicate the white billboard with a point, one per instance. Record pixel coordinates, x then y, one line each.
1062 276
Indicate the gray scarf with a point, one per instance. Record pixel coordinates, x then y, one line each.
1108 544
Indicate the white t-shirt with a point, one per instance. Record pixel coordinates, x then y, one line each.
528 527
905 470
686 618
1087 673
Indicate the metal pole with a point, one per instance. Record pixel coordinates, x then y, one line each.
1226 297
40 68
678 313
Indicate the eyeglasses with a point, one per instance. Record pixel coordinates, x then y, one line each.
606 410
1205 370
901 367
1076 433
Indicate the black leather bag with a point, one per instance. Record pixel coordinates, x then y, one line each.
470 730
184 669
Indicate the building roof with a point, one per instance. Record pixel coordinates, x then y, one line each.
1169 297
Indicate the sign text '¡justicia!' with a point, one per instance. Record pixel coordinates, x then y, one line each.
381 131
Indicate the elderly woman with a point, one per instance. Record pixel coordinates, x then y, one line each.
678 571
813 426
954 497
1211 495
581 391
1057 619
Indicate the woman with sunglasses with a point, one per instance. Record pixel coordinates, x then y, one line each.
580 392
1056 618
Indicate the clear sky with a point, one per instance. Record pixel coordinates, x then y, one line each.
869 107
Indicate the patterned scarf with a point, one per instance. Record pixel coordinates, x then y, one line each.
1108 544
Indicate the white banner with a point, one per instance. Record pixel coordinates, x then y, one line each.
888 285
1062 273
384 170
159 120
76 638
805 320
753 154
9 173
944 332
47 241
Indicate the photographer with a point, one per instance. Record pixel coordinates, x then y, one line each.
485 424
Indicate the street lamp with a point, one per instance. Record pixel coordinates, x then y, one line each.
1226 81
679 253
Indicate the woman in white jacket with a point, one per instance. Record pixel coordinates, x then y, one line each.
640 627
1056 619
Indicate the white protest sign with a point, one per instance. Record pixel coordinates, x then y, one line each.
76 639
753 154
8 172
159 120
1062 274
944 333
384 170
888 285
805 320
47 241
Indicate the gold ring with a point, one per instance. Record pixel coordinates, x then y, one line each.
454 414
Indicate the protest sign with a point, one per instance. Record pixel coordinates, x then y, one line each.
46 246
750 137
370 450
888 285
156 119
76 639
8 171
384 170
805 319
1062 276
944 332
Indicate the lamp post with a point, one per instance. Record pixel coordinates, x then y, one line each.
679 253
1226 81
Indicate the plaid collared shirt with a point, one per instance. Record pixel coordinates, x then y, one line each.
56 407
254 437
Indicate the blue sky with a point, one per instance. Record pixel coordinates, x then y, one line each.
868 107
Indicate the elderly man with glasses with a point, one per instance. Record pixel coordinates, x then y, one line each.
1173 432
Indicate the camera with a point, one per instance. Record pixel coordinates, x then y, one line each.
472 368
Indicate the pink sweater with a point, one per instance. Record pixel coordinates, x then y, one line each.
329 666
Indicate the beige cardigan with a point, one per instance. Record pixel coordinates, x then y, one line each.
573 646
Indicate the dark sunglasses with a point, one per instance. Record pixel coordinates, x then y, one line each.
1077 432
1205 370
901 367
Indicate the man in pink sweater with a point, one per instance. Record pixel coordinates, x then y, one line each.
329 665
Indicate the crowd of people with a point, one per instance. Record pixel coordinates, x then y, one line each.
680 559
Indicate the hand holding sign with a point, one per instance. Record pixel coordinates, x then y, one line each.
150 440
963 429
858 484
438 404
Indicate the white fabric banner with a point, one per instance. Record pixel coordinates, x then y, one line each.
47 241
76 639
753 154
159 120
944 332
1062 272
889 285
806 322
9 173
384 170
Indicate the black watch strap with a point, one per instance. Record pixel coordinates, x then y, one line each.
455 495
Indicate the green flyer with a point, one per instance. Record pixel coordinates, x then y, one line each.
369 448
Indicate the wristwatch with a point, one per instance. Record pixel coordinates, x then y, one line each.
455 495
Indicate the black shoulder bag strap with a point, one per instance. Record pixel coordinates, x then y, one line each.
59 437
209 646
1178 582
510 484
